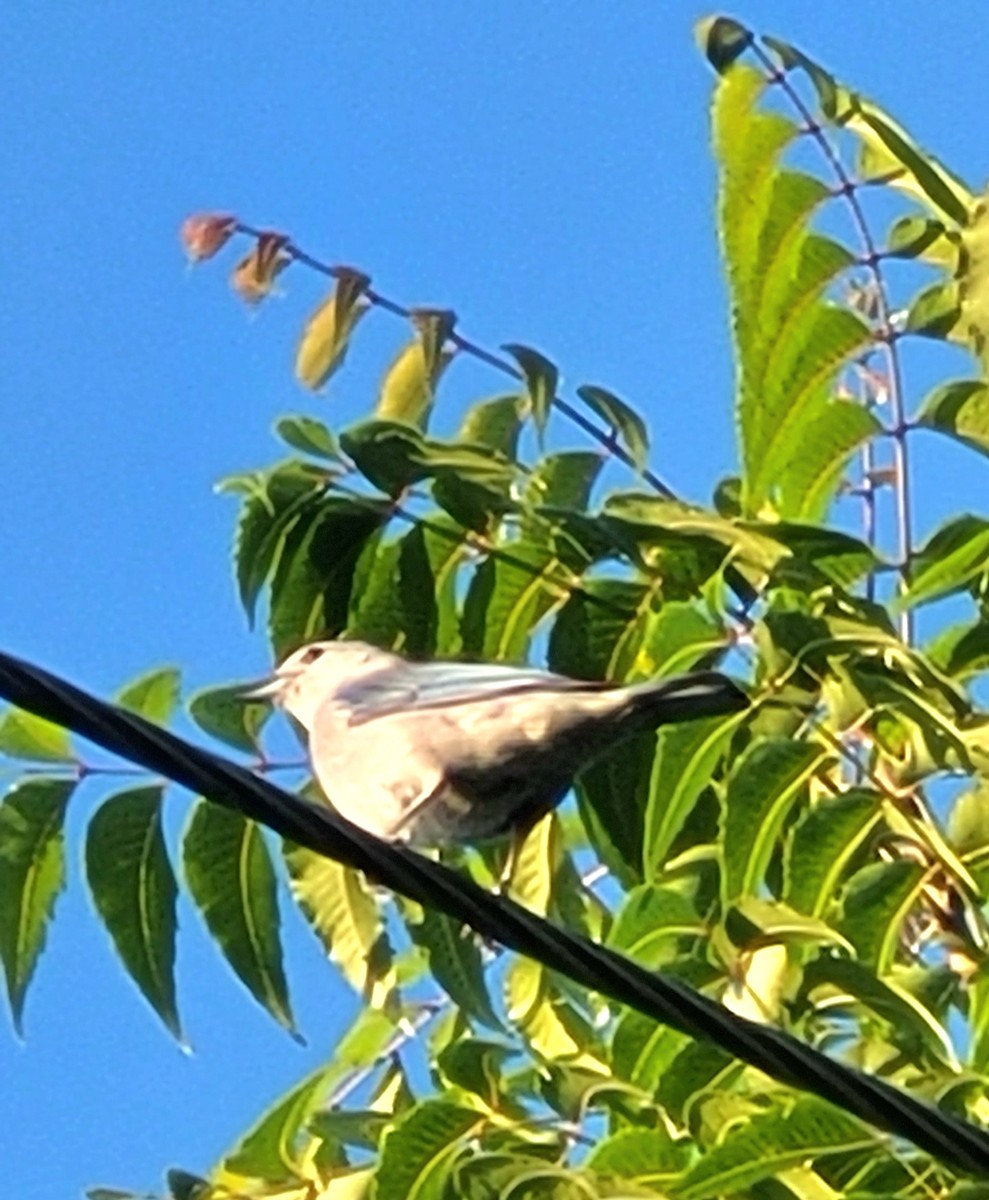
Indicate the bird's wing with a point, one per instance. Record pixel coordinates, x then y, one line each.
415 686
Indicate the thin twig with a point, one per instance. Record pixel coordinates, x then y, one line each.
604 438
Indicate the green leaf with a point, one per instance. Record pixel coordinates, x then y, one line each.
644 1155
821 846
910 1020
791 59
23 735
916 236
621 418
428 564
973 282
768 779
133 888
308 435
311 590
182 1185
790 340
324 341
613 796
273 1150
598 631
953 558
875 904
687 759
393 456
935 313
32 874
494 423
754 922
961 650
652 517
541 381
770 1142
153 695
273 502
454 960
230 877
375 606
679 637
418 1153
506 598
827 441
409 384
475 1064
223 713
890 153
649 923
722 41
346 918
820 554
961 410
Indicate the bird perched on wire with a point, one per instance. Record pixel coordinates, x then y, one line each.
441 752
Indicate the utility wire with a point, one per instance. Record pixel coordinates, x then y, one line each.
664 998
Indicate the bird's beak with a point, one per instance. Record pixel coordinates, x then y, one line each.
264 690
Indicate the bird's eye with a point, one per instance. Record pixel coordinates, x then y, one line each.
310 655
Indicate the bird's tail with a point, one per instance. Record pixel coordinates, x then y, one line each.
684 698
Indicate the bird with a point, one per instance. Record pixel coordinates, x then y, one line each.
434 753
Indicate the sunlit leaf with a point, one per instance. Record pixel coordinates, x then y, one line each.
409 385
23 735
230 876
766 782
455 961
427 586
650 922
32 874
790 340
645 1155
133 887
961 410
311 588
417 1154
909 1019
935 312
274 1148
153 695
308 435
345 917
494 423
273 501
875 904
686 760
768 1143
223 713
324 341
821 846
621 418
254 276
953 558
541 381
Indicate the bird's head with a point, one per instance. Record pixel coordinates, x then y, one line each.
315 672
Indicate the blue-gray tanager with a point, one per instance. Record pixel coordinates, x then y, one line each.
432 753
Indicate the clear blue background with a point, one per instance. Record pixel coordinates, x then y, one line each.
541 168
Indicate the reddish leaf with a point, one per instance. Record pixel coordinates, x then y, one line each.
205 234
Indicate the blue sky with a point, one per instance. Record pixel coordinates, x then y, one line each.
543 169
